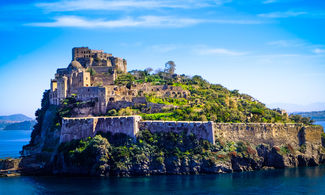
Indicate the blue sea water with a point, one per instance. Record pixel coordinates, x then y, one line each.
285 181
308 180
12 141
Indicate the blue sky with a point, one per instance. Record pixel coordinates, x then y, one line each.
273 50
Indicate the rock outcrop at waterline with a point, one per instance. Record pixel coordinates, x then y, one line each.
9 167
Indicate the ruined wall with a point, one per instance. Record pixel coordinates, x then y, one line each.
269 133
202 130
78 128
102 78
161 90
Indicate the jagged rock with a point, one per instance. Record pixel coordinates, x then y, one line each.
244 164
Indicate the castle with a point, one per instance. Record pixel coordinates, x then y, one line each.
91 76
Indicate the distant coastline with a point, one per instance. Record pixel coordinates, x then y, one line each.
25 125
315 115
16 122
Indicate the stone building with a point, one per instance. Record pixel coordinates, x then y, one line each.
100 61
67 82
90 77
80 73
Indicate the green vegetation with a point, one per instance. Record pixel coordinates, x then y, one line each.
40 114
206 101
288 149
119 152
166 101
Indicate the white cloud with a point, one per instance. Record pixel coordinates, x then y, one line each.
74 5
235 21
282 14
143 21
319 51
218 51
286 43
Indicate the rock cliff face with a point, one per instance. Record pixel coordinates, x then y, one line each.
168 153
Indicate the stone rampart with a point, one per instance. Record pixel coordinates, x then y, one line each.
202 130
78 128
273 134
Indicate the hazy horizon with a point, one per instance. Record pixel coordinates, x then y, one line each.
273 50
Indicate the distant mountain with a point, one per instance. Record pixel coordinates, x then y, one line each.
26 125
15 118
316 115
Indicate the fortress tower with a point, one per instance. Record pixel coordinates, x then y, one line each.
88 68
98 58
91 78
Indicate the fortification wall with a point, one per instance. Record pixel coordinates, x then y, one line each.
270 133
127 125
78 128
202 130
278 134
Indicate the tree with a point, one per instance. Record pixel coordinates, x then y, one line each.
148 70
170 67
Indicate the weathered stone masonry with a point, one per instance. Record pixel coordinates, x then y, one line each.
202 130
255 133
78 128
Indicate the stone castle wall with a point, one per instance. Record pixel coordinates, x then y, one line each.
83 127
269 133
202 130
255 133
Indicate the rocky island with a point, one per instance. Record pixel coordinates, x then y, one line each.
98 119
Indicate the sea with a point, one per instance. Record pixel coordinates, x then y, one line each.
304 180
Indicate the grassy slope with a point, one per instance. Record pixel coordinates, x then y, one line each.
208 101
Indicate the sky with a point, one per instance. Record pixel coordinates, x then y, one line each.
273 50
